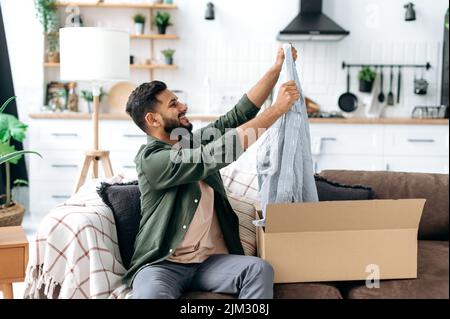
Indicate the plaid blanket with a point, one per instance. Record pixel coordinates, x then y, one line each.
75 253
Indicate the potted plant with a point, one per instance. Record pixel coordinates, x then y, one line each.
162 21
47 13
11 213
139 22
168 55
366 77
89 98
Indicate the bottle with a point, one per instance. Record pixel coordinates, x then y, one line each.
72 104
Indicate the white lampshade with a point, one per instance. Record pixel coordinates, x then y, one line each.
94 54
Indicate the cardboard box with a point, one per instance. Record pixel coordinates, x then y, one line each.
341 240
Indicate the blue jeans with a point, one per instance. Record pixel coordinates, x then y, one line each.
247 276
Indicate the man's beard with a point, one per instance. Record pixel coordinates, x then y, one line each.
171 124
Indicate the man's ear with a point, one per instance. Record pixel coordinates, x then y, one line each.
152 119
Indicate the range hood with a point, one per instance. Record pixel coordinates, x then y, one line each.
311 24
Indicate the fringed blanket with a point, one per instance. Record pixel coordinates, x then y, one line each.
75 253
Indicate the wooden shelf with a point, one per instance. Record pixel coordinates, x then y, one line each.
132 66
152 66
154 36
118 5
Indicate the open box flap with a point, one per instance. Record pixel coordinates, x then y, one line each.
344 215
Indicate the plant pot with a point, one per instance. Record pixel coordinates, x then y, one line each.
12 215
139 28
365 86
53 57
169 60
162 29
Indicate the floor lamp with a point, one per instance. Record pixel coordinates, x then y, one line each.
94 55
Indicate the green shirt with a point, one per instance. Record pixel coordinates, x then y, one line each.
168 181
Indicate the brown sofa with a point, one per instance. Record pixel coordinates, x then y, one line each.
433 259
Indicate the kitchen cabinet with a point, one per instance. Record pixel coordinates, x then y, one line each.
418 164
407 148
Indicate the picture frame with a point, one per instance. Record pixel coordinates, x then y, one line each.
56 96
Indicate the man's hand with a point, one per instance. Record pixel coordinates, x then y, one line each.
287 96
280 57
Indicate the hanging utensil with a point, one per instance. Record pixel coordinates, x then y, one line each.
381 96
348 102
390 98
399 81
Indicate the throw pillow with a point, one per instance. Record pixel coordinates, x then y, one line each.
240 183
245 210
333 191
124 201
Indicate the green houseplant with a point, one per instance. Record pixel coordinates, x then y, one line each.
168 55
11 213
89 98
162 21
139 22
47 13
366 77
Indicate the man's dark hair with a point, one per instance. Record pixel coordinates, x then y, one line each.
143 100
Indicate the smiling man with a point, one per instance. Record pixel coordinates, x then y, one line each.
188 236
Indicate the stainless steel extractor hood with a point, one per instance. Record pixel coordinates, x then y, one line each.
311 24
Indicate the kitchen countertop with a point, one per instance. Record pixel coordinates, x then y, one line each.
211 117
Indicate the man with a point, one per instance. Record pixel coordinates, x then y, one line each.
189 235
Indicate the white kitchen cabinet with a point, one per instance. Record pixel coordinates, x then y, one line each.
417 140
338 139
418 164
408 148
343 162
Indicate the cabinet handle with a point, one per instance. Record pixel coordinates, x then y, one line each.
133 135
328 139
129 166
64 166
60 196
65 134
418 140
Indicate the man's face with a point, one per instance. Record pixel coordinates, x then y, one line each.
173 112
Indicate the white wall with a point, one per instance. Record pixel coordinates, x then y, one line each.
235 49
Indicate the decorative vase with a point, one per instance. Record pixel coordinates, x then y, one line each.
162 29
169 60
53 57
139 28
365 86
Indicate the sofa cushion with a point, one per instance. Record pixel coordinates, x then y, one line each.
328 190
434 224
306 291
281 291
245 210
124 201
432 278
240 182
